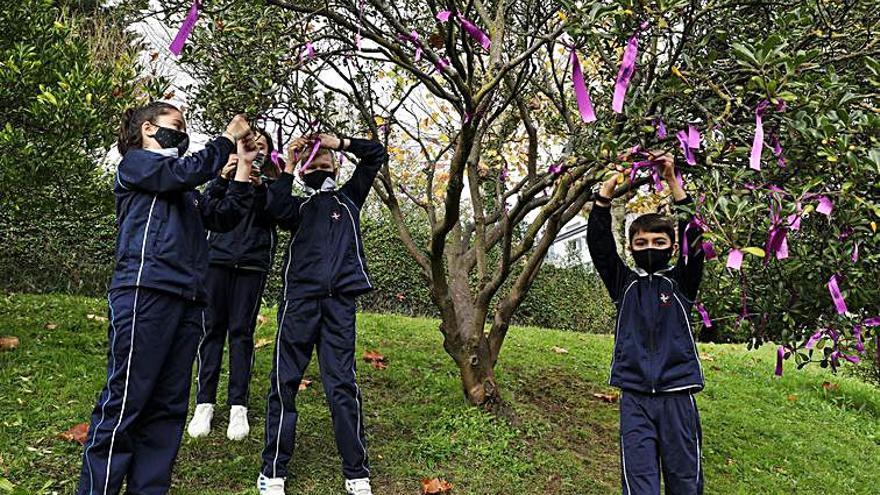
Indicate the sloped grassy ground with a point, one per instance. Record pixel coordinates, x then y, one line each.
762 435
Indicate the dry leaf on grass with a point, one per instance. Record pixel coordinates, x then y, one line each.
559 350
262 319
8 343
376 360
51 326
93 317
304 384
262 343
609 398
435 485
78 433
792 398
706 357
830 386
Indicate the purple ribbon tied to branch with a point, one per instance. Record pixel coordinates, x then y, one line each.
186 28
707 322
413 37
689 141
585 105
627 69
836 295
469 27
661 128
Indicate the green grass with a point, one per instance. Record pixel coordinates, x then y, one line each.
762 435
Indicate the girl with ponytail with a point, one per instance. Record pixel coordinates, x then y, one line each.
157 293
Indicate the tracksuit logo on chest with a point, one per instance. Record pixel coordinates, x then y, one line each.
665 299
335 215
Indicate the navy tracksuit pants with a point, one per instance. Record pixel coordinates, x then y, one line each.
329 324
234 297
660 433
137 423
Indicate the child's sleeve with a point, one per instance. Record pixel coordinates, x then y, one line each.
221 212
281 205
175 174
371 157
603 250
689 269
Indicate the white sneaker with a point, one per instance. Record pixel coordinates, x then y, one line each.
238 428
359 486
200 424
270 486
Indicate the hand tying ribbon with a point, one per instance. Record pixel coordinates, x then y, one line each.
186 28
627 69
469 27
585 106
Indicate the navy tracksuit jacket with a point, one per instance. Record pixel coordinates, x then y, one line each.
323 270
239 264
655 363
156 315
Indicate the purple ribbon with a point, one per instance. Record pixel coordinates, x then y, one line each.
585 106
825 206
694 138
780 355
685 142
834 289
413 37
777 150
855 253
311 157
709 249
758 141
735 259
860 342
555 169
627 69
185 29
814 339
707 322
872 322
661 128
476 33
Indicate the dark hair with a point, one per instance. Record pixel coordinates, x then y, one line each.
133 118
654 223
270 145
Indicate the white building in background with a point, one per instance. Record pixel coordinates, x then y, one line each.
570 245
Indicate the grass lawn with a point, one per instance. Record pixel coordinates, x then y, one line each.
762 435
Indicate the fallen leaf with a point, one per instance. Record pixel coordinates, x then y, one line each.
376 360
168 95
261 319
90 316
435 485
830 386
51 326
154 56
706 357
304 384
609 398
8 343
792 398
559 350
730 462
262 343
78 433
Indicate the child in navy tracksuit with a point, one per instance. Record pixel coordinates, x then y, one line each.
156 295
239 264
655 363
323 271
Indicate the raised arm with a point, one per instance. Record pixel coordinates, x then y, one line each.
225 202
280 204
173 174
371 157
600 241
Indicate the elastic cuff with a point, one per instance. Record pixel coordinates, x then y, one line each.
684 201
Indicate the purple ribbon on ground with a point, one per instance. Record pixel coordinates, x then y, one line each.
470 28
685 142
585 106
825 206
735 259
186 28
707 322
758 141
834 289
661 128
626 71
780 355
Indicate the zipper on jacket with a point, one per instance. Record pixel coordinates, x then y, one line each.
651 343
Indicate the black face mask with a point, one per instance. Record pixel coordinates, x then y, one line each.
652 259
316 178
172 138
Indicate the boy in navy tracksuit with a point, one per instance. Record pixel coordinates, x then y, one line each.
156 295
323 271
655 363
239 264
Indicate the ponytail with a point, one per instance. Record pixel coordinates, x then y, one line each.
132 119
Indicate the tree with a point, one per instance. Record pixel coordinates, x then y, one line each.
67 70
486 138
